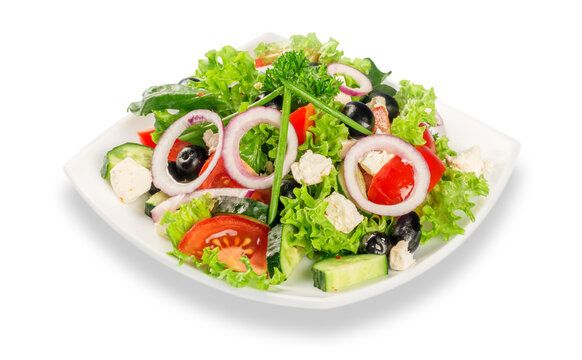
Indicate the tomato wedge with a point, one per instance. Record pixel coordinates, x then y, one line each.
300 119
392 184
145 137
235 236
427 136
259 63
218 177
382 121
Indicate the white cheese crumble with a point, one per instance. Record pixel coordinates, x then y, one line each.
374 160
400 257
376 101
470 160
342 213
343 98
130 180
311 167
211 140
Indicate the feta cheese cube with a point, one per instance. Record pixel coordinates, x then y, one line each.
373 161
470 160
130 180
342 213
400 258
311 168
376 101
211 140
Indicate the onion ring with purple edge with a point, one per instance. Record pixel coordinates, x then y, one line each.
234 132
160 175
173 203
400 148
358 76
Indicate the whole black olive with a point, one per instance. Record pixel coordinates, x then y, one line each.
153 189
287 187
407 228
391 104
188 80
174 172
190 160
360 113
375 243
276 103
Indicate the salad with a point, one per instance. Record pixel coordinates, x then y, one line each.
299 153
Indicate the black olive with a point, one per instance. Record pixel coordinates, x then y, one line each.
188 163
375 243
188 80
287 187
153 189
276 103
407 228
391 104
360 113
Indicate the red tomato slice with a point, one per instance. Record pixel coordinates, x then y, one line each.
218 177
300 119
176 148
145 137
427 136
235 236
382 121
392 184
435 165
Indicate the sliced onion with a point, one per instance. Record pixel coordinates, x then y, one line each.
399 148
173 203
357 75
160 175
235 130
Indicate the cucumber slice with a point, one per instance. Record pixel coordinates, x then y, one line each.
280 254
334 274
154 201
140 153
241 206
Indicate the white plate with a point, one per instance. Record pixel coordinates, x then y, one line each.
298 291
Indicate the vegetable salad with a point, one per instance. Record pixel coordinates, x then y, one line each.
298 153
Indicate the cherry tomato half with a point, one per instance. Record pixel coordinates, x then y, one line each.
235 236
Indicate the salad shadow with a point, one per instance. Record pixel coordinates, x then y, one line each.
308 322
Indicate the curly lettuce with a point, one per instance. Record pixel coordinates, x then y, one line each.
325 137
217 269
452 196
417 106
315 233
180 221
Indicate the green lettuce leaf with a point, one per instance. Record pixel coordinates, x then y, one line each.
215 268
229 73
180 221
377 77
258 146
314 232
417 106
453 194
325 137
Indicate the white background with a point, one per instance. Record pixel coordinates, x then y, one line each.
72 288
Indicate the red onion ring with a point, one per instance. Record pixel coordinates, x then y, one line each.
235 130
160 175
399 148
173 203
361 78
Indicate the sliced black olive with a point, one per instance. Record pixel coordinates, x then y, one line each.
375 243
188 80
276 103
407 228
287 187
360 113
391 104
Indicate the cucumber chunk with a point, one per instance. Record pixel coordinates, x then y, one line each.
280 254
334 274
241 206
140 153
154 201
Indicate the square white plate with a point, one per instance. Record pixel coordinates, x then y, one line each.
298 291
